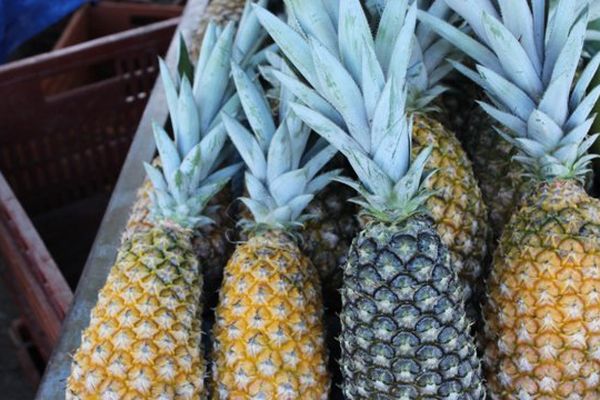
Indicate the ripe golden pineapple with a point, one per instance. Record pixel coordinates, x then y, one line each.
144 338
269 338
543 308
548 339
456 205
269 329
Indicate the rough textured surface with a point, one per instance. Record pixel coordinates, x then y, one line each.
500 178
543 313
405 333
219 11
457 207
269 334
326 238
211 243
143 340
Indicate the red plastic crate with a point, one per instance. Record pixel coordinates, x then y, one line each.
67 119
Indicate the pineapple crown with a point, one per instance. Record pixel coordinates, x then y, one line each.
282 177
320 19
187 177
212 87
186 182
526 64
356 100
428 59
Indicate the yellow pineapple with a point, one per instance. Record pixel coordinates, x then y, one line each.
543 308
548 261
269 338
456 205
144 339
269 331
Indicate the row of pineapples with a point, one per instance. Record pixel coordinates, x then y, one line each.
368 80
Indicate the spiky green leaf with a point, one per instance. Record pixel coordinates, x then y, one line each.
255 105
247 146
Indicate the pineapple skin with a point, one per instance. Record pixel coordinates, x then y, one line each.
543 309
457 206
210 242
220 12
327 236
144 337
405 333
501 179
269 333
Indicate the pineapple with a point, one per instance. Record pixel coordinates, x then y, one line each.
405 333
144 339
219 48
456 204
542 312
327 235
269 337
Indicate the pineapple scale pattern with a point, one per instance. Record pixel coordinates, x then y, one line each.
544 300
403 336
144 338
457 209
269 330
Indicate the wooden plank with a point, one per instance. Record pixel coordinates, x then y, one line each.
104 250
